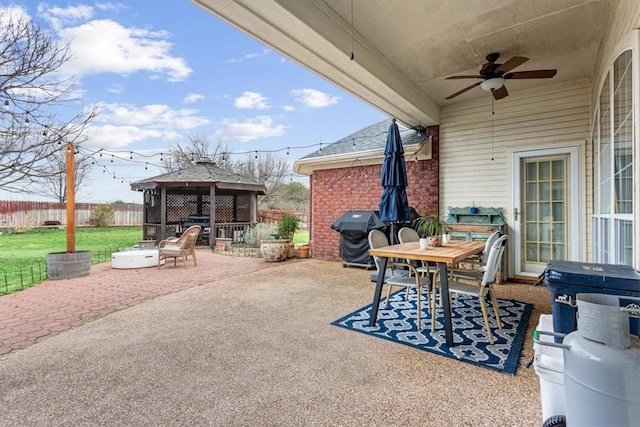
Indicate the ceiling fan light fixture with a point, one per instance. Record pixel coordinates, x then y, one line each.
492 84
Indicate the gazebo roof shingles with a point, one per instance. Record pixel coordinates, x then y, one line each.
203 173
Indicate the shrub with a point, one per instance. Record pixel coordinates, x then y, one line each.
102 216
261 231
288 226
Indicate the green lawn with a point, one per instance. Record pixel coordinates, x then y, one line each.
301 237
22 255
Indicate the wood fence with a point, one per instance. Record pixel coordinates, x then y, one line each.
23 215
27 214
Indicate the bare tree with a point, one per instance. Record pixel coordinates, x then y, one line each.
199 147
55 185
265 168
262 166
31 89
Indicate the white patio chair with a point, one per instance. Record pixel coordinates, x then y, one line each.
484 287
397 275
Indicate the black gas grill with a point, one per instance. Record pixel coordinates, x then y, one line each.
354 227
201 220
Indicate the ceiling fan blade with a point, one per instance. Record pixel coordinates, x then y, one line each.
460 92
462 77
533 74
499 93
512 63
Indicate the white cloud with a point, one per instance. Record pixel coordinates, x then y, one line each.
120 125
105 46
248 130
251 100
249 56
110 136
154 115
289 108
312 98
192 98
115 88
58 17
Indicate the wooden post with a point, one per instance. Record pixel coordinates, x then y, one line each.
71 199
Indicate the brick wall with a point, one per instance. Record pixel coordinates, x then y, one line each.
334 191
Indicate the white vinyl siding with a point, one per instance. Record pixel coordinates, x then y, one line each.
554 115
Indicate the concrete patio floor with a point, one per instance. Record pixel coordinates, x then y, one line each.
236 342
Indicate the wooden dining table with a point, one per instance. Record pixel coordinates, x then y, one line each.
450 253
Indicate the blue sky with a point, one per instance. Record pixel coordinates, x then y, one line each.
160 71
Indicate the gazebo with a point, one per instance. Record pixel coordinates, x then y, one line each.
224 203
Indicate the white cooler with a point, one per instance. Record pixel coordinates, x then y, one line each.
548 363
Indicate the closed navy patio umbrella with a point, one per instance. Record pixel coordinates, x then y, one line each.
394 206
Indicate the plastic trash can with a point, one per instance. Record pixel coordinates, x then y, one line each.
548 362
566 279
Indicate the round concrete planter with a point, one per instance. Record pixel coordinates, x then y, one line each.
68 265
274 250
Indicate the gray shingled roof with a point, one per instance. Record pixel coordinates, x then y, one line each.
368 138
203 171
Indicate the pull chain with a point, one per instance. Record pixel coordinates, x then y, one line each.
492 113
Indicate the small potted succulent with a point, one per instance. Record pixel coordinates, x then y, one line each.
432 227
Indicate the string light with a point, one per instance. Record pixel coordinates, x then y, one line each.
128 156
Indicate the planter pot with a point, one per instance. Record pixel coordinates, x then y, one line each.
274 250
473 210
445 238
292 250
435 241
303 251
68 265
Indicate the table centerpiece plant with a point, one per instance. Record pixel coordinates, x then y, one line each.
431 227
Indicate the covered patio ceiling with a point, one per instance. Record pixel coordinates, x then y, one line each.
404 49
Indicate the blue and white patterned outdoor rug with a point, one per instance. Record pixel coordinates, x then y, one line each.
397 323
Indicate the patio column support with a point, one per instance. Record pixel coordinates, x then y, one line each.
163 213
212 216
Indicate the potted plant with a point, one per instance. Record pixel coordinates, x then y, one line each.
303 251
274 250
473 210
430 226
287 228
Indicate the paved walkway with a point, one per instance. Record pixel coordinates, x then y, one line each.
53 306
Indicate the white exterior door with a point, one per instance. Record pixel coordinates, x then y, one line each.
546 215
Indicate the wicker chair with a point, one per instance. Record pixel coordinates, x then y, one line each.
180 247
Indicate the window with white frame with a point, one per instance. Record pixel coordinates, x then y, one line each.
613 142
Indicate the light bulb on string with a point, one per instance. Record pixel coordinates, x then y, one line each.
130 155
